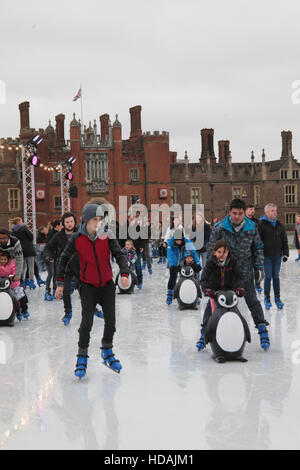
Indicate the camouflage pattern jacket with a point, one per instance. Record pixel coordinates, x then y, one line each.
245 246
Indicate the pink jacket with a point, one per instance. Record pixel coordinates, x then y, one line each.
7 270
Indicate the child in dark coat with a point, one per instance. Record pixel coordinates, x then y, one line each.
221 272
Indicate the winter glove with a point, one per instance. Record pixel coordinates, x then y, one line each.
240 292
197 268
258 275
284 259
211 293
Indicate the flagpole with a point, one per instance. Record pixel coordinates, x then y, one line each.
81 109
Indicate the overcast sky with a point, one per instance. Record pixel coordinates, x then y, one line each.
191 64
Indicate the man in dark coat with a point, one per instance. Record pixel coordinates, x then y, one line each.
22 232
276 248
52 253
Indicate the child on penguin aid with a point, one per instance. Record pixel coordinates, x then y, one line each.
178 245
130 252
188 260
94 247
8 268
221 272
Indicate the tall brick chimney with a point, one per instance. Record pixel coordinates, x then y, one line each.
207 138
24 116
135 118
104 124
224 151
287 138
60 129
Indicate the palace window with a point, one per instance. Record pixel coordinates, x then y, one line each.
284 174
257 195
195 196
290 219
57 202
134 175
173 196
236 193
134 199
290 194
296 174
13 199
96 167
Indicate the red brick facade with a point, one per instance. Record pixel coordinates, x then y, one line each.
143 167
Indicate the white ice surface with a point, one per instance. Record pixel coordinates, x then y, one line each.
168 395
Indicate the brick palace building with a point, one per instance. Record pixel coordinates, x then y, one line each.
144 169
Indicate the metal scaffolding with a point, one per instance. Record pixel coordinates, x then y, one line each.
65 193
28 194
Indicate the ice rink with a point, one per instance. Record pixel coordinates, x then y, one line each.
168 395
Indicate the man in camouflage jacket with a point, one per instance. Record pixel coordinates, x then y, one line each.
246 247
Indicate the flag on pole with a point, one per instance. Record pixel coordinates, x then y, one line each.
76 97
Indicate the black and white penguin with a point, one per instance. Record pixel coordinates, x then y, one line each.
187 290
132 281
227 330
8 303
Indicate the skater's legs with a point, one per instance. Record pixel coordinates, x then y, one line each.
206 315
88 295
50 270
268 274
253 303
67 293
138 268
275 273
108 302
173 278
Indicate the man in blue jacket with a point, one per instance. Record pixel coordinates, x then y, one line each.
242 237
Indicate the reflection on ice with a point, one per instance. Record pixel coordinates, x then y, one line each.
168 396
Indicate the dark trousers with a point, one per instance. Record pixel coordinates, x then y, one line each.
51 276
138 269
163 251
90 297
23 303
252 303
173 277
272 266
67 292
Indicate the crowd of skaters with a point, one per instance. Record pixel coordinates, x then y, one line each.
237 253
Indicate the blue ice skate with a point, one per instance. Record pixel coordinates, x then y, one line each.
258 288
144 265
109 359
160 260
264 337
268 304
278 302
32 285
139 286
169 297
200 345
48 297
150 270
25 315
81 365
19 316
40 281
99 313
67 318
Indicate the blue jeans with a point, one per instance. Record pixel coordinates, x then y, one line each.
272 269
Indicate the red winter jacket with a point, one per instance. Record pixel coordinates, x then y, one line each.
94 257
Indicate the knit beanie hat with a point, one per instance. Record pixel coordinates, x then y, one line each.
188 253
90 211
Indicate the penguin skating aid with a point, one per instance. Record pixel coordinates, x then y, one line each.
227 330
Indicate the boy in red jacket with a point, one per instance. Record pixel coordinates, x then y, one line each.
96 283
